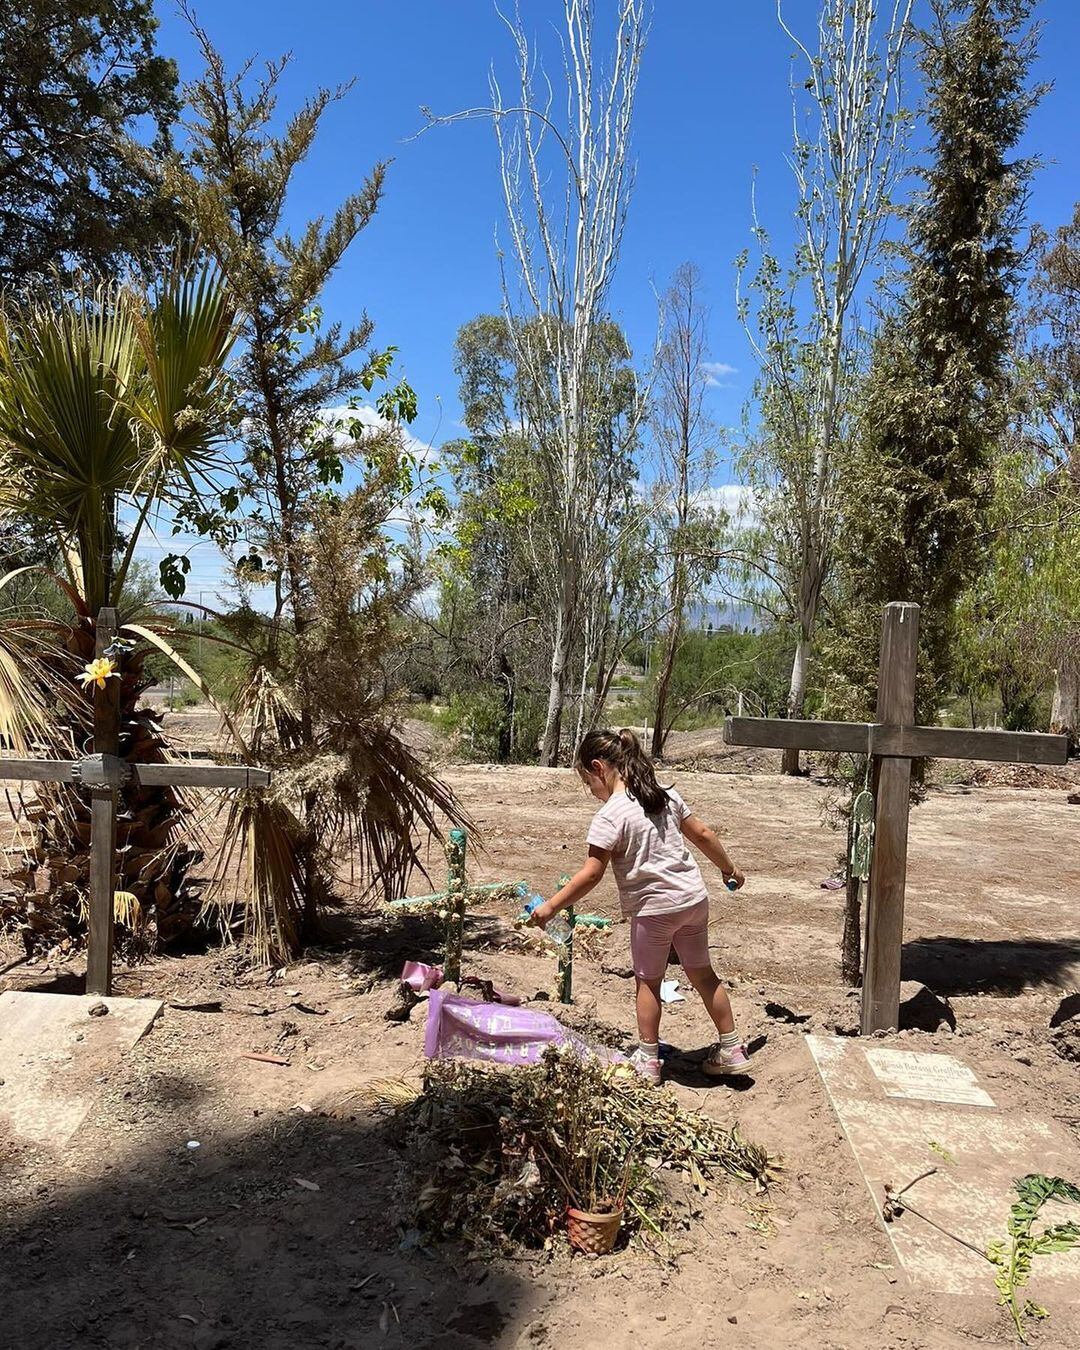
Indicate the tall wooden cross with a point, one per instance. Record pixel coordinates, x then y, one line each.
103 773
893 741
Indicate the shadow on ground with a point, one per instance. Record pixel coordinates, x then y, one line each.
975 966
220 1247
379 945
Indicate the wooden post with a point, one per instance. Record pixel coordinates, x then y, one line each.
892 792
99 945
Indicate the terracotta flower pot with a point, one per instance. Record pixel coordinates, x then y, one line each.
593 1234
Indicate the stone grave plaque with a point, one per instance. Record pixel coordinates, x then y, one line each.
927 1078
53 1054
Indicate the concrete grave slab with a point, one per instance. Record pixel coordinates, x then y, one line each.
905 1112
53 1054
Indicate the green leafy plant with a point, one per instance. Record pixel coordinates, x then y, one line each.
1014 1259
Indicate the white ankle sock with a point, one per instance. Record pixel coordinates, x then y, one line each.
649 1051
729 1040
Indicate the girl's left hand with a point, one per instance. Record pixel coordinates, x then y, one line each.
542 915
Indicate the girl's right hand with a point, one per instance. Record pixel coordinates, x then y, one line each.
737 877
542 915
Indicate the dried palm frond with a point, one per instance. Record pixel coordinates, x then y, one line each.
366 788
29 684
259 853
127 910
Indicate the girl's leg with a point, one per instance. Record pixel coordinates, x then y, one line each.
714 996
692 944
648 1011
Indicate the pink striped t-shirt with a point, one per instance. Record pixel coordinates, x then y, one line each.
654 870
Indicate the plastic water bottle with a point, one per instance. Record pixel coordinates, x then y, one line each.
558 930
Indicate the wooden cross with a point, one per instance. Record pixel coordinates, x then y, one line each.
104 773
893 742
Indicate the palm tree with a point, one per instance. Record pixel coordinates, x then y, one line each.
113 402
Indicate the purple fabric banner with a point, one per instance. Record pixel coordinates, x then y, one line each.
461 1028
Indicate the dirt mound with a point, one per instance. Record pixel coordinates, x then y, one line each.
1025 775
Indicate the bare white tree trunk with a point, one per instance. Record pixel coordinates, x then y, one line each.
686 440
1065 712
566 246
844 175
796 693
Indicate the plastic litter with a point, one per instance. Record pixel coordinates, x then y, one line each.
420 977
557 929
461 1028
669 992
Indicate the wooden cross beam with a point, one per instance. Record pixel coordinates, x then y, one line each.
893 742
104 773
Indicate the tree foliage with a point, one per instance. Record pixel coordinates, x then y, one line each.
113 405
79 80
500 581
317 696
687 524
849 136
937 398
1020 626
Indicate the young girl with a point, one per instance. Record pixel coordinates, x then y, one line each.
642 829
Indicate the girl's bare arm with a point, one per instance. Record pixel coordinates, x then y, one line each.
581 883
708 841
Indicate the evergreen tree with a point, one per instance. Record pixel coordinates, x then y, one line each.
316 693
76 78
937 404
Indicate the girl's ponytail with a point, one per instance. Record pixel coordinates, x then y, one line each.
639 775
624 751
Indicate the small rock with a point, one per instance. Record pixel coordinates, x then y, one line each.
733 1319
780 1013
1073 798
1066 1041
97 1010
923 1010
1068 1008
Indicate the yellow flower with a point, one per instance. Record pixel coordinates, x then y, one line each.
97 672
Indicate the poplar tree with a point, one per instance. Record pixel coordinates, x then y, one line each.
937 402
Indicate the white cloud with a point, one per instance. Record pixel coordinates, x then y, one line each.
734 498
717 374
370 417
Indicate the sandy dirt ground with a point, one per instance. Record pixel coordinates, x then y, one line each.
129 1239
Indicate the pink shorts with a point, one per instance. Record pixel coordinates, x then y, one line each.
652 937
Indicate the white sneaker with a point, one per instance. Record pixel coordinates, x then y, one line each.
646 1065
720 1063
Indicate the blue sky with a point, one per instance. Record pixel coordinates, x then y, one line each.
713 105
